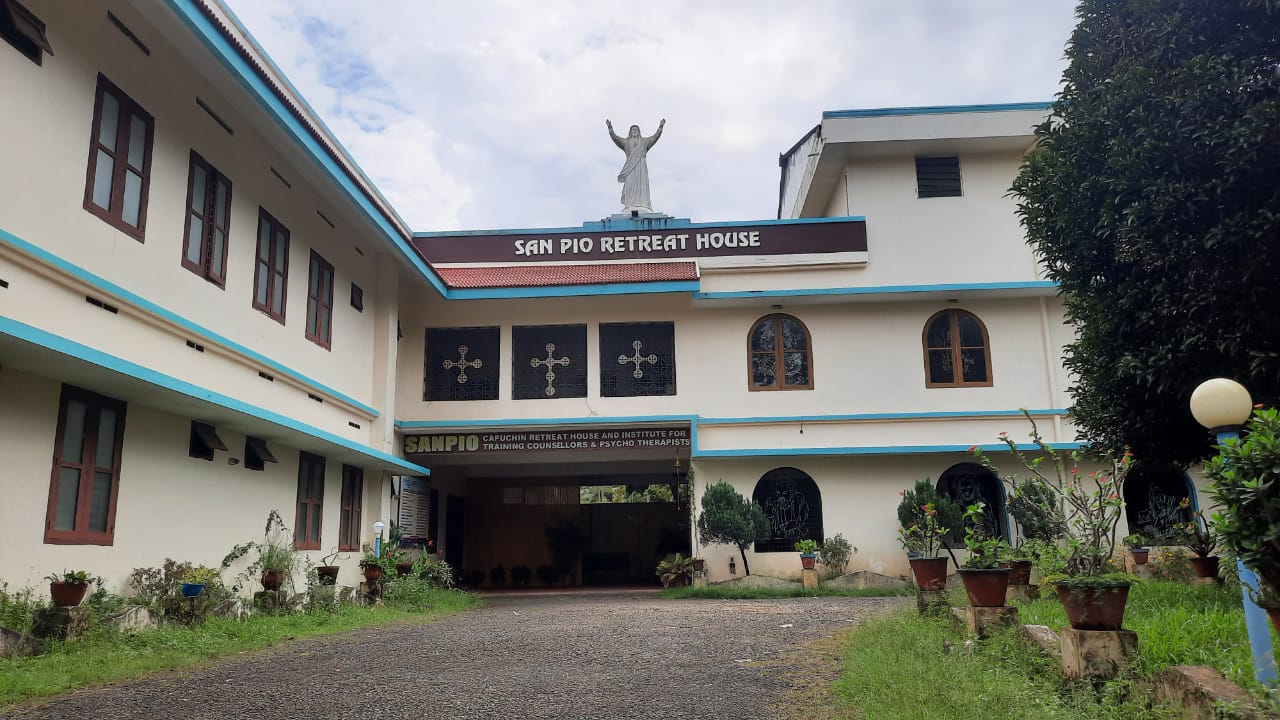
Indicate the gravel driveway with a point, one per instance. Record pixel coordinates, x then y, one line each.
603 656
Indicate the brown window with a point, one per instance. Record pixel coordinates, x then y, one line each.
119 160
271 269
956 351
319 301
306 532
781 354
352 503
86 469
208 216
24 31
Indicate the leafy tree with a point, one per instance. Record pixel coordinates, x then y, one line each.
950 514
1153 199
730 518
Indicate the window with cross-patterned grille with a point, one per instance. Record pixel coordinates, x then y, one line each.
461 364
637 359
549 361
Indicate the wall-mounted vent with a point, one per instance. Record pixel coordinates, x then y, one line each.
315 397
281 178
195 346
357 297
938 176
327 221
266 377
256 453
24 31
128 33
4 283
216 118
354 425
358 250
203 441
99 304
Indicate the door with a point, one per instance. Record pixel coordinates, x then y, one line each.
454 530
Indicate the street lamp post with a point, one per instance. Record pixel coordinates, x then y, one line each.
1223 406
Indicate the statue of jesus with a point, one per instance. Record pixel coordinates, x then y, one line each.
634 175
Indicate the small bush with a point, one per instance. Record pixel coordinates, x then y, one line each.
835 554
1170 563
413 593
151 585
436 573
18 607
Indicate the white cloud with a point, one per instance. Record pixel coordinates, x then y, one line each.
491 114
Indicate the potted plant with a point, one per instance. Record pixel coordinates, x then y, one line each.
1245 474
1018 560
675 571
1092 590
371 565
1198 537
68 588
275 558
922 517
197 579
985 582
1137 548
326 571
808 550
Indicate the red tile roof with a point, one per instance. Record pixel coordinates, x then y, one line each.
549 275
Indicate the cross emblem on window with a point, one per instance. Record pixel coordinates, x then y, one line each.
651 358
551 362
462 364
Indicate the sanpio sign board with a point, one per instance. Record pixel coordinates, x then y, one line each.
660 242
544 441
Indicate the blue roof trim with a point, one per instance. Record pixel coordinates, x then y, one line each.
62 345
150 307
935 110
939 415
680 286
641 224
525 422
190 14
877 290
872 450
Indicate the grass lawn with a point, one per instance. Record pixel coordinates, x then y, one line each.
105 656
1177 624
722 592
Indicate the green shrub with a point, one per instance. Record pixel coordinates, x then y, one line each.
17 607
149 586
835 554
436 573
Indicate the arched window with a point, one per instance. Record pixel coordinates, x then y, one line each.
968 483
956 350
791 501
781 354
1152 492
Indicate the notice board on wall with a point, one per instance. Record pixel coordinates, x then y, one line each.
415 510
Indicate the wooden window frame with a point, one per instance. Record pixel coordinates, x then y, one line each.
205 267
351 509
309 506
114 215
317 304
81 534
778 355
277 281
957 368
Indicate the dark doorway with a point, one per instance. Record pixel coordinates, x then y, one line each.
454 529
1152 495
968 483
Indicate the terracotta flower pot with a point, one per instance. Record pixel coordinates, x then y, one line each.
986 587
1140 555
931 573
66 594
328 574
1205 567
808 561
1020 572
403 569
272 579
1094 608
373 573
699 564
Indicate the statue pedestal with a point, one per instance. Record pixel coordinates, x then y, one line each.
809 578
982 620
1096 653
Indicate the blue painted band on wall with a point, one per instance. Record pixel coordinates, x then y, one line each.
870 450
73 349
879 290
142 303
936 110
675 222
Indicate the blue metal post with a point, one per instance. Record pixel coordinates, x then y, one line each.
1259 626
377 550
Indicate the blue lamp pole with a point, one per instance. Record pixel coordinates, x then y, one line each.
1223 406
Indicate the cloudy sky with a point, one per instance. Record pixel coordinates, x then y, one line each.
490 114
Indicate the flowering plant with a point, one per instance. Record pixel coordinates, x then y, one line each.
1090 506
1197 535
925 535
985 550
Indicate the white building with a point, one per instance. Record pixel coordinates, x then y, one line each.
208 312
